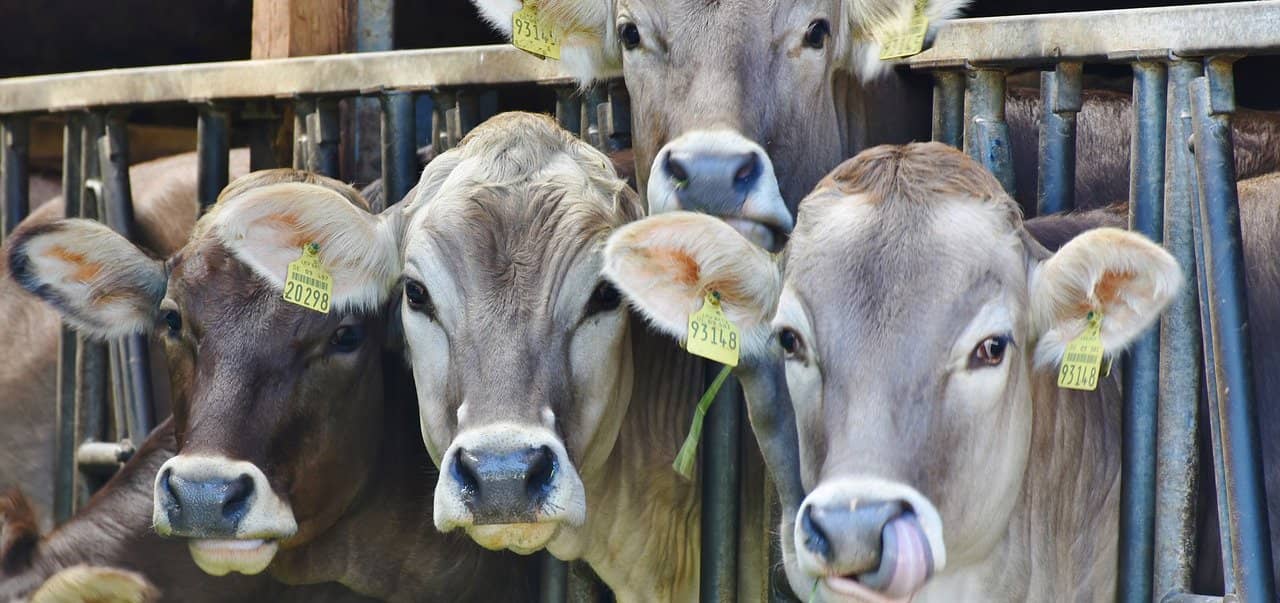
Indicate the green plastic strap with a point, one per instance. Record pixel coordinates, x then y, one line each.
689 451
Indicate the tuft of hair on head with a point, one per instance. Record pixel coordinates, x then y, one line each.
96 584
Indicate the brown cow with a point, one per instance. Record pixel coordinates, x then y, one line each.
298 451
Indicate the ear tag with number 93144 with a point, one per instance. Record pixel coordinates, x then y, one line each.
710 333
1082 360
307 283
532 34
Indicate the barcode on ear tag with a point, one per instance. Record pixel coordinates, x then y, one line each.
1082 360
909 41
710 333
307 283
532 34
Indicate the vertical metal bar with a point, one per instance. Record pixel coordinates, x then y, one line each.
555 579
721 480
987 134
213 150
17 138
1177 460
617 136
1061 98
366 145
303 108
64 458
262 121
132 361
91 394
1213 102
590 120
442 112
468 112
948 108
324 134
399 157
569 109
1141 375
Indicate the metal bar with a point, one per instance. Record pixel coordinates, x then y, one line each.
1177 460
948 107
618 118
303 108
1194 30
213 150
721 478
262 121
337 75
569 109
1141 376
468 112
65 441
987 134
364 145
324 134
1190 598
1213 102
399 157
92 393
590 120
555 579
1061 98
13 166
131 360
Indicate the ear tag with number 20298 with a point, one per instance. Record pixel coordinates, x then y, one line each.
532 34
307 283
1082 360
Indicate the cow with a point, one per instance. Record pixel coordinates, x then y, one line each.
164 195
739 108
297 451
917 337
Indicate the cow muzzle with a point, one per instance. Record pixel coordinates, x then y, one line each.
867 540
227 509
509 487
720 172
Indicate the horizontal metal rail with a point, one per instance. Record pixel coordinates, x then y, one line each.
337 75
1110 35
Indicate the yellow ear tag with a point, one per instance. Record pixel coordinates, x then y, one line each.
530 33
307 283
910 41
711 335
1083 358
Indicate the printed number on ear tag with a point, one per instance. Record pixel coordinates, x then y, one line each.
710 333
307 283
1082 361
909 42
532 34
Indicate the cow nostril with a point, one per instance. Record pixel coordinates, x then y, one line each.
676 170
166 488
748 169
236 501
463 471
542 470
814 538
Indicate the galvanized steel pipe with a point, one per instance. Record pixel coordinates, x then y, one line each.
16 134
1060 98
948 107
213 151
399 155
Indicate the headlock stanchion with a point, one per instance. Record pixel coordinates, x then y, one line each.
948 107
1060 99
65 438
16 133
399 157
213 151
987 135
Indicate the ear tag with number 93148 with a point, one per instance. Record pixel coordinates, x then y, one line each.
307 283
532 34
1082 360
710 333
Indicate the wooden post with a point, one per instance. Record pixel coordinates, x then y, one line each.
294 28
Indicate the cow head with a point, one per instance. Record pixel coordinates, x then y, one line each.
277 408
917 321
739 107
519 349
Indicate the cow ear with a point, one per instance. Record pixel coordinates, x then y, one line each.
93 583
1126 277
269 227
588 47
103 285
666 264
872 22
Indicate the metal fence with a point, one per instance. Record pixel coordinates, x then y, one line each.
1182 194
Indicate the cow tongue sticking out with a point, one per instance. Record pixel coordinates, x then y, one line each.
905 564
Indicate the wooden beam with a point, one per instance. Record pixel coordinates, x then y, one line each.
293 28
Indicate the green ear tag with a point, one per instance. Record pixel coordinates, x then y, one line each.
689 450
307 283
1082 360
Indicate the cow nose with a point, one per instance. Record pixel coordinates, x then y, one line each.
713 182
848 536
505 486
204 508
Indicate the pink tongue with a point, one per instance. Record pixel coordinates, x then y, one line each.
912 561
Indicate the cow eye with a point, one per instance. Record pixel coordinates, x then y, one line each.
346 339
815 36
418 299
173 320
605 298
629 34
792 344
990 352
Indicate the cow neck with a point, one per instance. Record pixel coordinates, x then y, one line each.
385 545
642 529
1061 542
